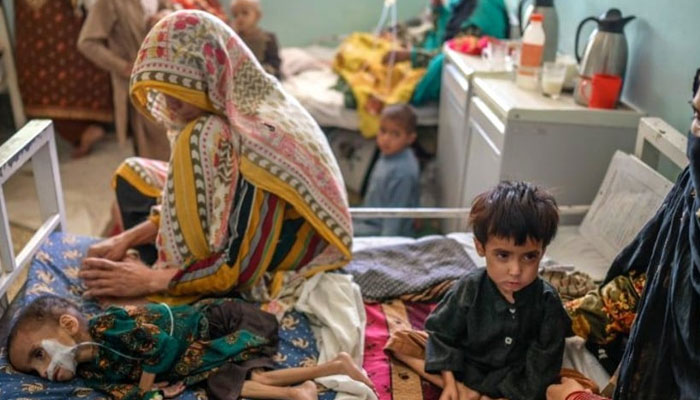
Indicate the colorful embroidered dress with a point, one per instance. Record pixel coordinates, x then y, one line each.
143 337
252 186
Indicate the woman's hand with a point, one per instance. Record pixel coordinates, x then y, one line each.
561 390
129 278
113 248
695 125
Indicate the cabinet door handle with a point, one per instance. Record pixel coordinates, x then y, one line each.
487 139
491 117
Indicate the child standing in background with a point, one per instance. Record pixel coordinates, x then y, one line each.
263 44
394 181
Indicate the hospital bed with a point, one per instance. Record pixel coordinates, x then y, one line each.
52 258
631 192
308 77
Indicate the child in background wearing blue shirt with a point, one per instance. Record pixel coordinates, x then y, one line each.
394 178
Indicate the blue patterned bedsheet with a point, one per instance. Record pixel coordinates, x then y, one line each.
55 270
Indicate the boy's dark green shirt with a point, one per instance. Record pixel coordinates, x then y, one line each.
494 347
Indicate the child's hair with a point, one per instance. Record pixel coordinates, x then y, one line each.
518 210
403 114
44 309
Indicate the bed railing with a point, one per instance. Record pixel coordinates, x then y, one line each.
664 138
652 131
34 142
443 213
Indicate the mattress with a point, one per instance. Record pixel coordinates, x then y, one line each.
55 268
309 78
55 271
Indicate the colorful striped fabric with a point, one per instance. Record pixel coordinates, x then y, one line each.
393 380
269 235
271 141
251 130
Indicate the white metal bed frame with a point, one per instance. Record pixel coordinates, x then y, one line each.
35 142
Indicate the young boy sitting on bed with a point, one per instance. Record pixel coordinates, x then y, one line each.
499 332
263 44
124 351
394 180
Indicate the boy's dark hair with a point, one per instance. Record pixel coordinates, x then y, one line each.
402 113
45 308
518 210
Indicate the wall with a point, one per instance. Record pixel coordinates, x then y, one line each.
301 22
663 40
663 50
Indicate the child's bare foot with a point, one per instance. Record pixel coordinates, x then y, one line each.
305 391
349 368
90 136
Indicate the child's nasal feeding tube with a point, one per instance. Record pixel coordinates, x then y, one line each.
64 356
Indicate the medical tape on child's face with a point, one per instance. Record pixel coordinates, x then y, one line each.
64 356
60 355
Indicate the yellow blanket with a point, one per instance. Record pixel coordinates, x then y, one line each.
359 62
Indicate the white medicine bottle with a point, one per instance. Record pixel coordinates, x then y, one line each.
531 54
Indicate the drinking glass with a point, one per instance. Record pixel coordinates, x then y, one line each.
553 75
495 53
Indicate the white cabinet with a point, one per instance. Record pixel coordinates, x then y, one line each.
520 135
483 163
452 135
453 128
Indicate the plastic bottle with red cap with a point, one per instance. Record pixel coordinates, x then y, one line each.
531 51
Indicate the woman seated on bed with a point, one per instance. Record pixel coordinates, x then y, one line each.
662 356
251 187
453 18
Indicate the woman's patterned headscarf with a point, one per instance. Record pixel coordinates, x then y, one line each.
195 57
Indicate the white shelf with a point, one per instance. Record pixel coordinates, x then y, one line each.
508 101
472 65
